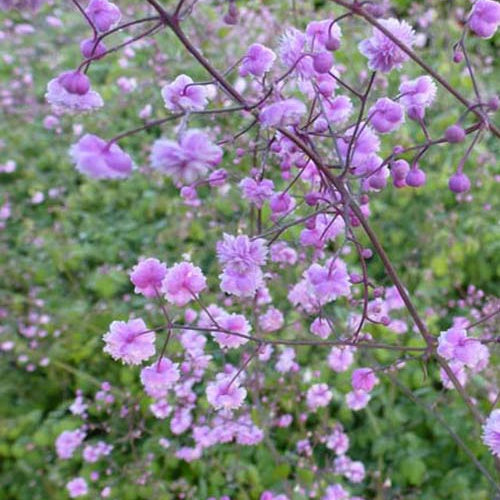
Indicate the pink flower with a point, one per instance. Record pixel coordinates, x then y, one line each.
241 259
338 109
458 370
286 112
491 432
318 396
225 394
103 14
364 379
257 61
236 323
147 276
188 159
341 358
257 192
98 159
324 33
335 492
283 254
417 95
484 18
128 342
182 282
182 95
321 327
67 442
382 53
291 51
455 345
386 115
357 400
77 487
159 377
338 441
327 283
272 320
286 361
79 97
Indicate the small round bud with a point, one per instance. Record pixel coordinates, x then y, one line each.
458 56
377 182
364 199
89 49
459 183
322 62
399 170
454 133
378 292
367 253
75 82
385 320
229 19
398 149
355 278
312 198
332 43
493 103
415 177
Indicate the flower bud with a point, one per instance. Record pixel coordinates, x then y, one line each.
332 43
415 177
87 49
322 62
454 133
75 82
459 183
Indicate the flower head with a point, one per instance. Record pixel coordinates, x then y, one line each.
97 159
491 432
147 276
485 18
286 112
182 282
257 61
71 92
103 14
225 393
387 115
417 95
77 487
129 341
159 377
188 159
182 94
382 53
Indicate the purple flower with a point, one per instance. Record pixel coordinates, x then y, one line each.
257 192
491 432
386 115
158 378
67 442
382 53
129 341
98 159
188 159
335 492
338 109
182 94
71 92
324 33
271 320
291 51
318 396
286 112
363 379
147 276
484 18
182 282
341 358
103 14
77 487
321 327
236 323
417 95
241 260
225 393
357 400
257 61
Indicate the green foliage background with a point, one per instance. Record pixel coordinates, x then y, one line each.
75 251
